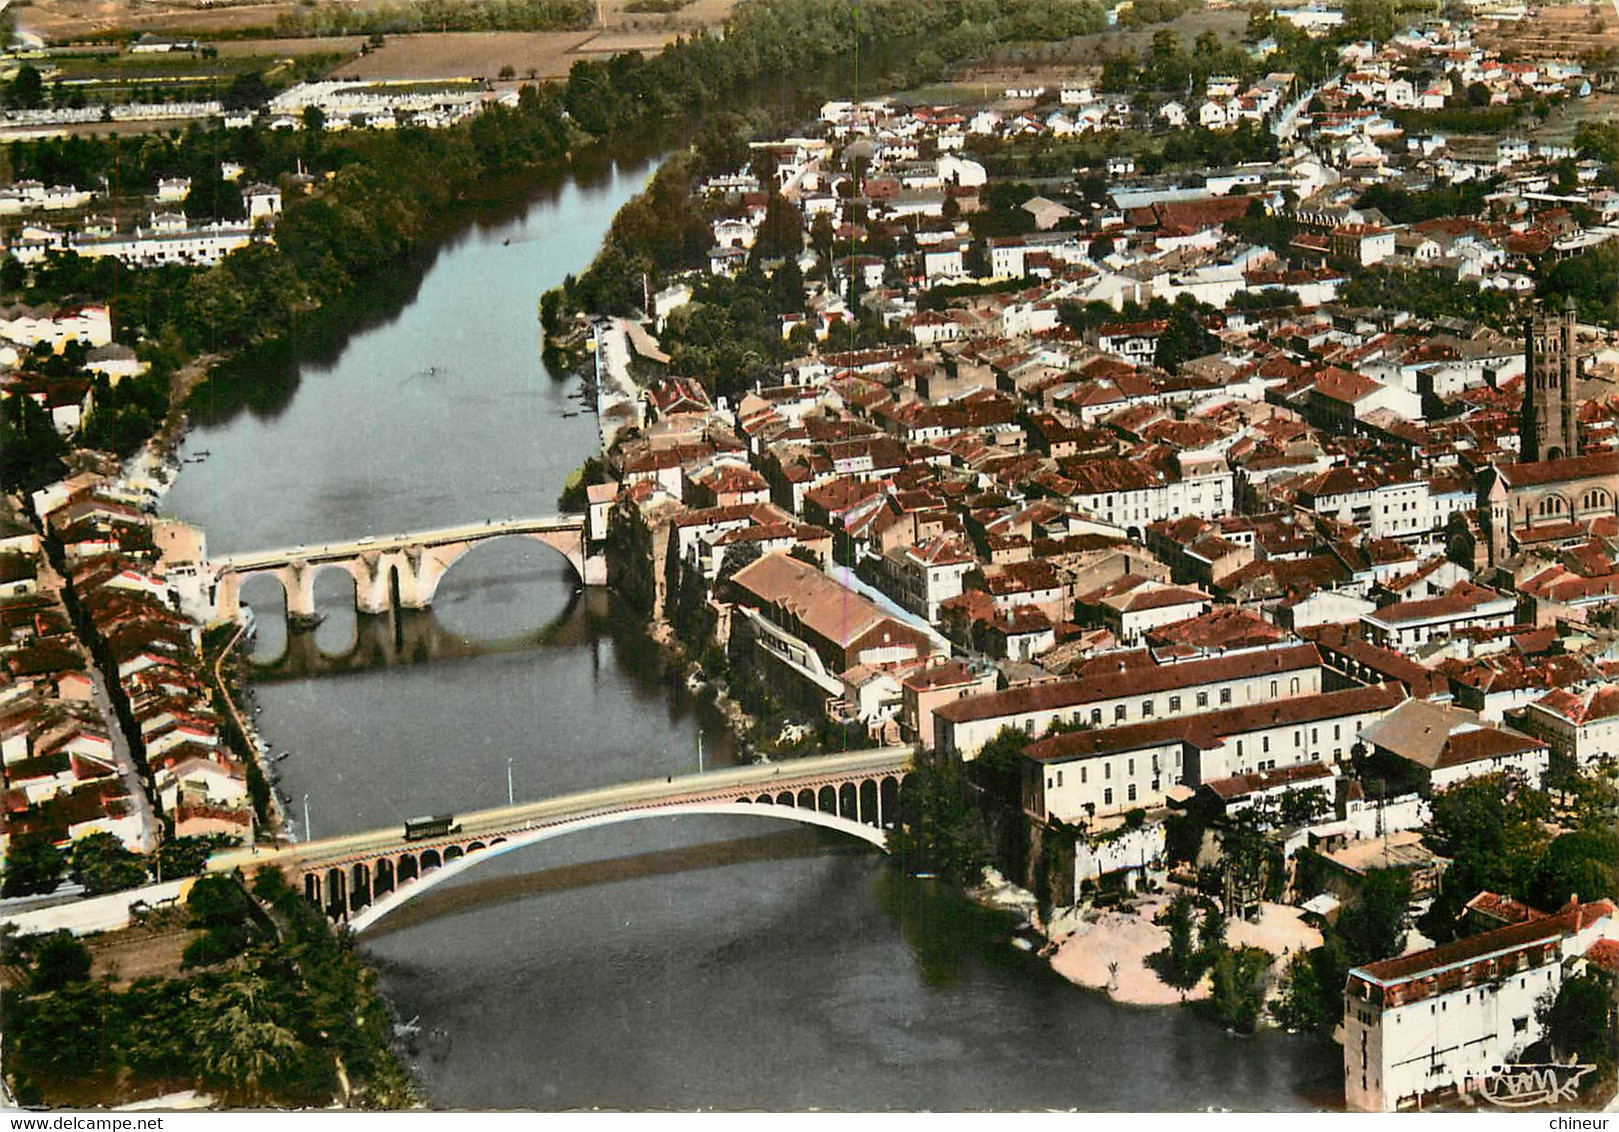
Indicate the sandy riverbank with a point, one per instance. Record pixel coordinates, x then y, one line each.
1107 950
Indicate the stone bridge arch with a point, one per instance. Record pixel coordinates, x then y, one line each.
434 562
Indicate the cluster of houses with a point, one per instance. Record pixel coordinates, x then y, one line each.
167 237
345 104
1336 537
123 571
62 776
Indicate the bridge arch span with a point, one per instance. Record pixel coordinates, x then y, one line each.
436 561
404 892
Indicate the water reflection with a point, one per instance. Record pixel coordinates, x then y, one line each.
410 636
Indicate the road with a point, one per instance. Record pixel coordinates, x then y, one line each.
258 559
505 819
133 782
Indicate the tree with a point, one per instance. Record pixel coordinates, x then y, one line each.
1576 1020
1237 987
1180 965
1372 924
1101 247
247 91
186 856
999 765
1247 859
782 231
1370 19
27 89
1184 339
33 865
243 1037
1494 835
1584 863
1302 1005
1211 930
59 961
102 864
940 832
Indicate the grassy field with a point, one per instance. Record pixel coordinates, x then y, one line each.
144 68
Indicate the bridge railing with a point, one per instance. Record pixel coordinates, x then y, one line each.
346 548
505 819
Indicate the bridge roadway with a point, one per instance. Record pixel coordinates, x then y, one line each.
389 544
359 861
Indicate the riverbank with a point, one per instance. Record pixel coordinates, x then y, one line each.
1107 950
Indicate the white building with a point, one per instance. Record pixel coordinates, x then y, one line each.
1436 1021
1131 695
1583 725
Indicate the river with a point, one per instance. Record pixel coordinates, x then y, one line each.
679 963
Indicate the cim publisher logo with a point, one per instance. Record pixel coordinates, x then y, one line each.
1525 1086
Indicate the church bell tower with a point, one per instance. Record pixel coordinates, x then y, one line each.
1550 427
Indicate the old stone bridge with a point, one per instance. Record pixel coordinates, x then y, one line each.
391 571
362 877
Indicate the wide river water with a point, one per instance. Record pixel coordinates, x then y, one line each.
682 963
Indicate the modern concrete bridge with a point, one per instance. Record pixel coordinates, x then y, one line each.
389 571
362 877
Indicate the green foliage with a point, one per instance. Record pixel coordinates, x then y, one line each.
1584 863
1428 294
33 447
1494 837
1598 139
1591 277
33 862
1180 965
268 1030
1185 338
1372 924
1576 1021
1237 987
1183 837
1481 119
1405 207
58 962
1303 1004
1144 12
1270 298
999 765
101 864
574 496
186 856
1211 929
1370 19
782 232
26 91
940 832
391 18
1249 859
122 416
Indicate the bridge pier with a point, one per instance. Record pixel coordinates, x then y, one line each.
298 581
402 571
373 585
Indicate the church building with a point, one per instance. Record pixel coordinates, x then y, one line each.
1553 494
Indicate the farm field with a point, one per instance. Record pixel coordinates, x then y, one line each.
59 21
471 54
1564 31
1053 63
